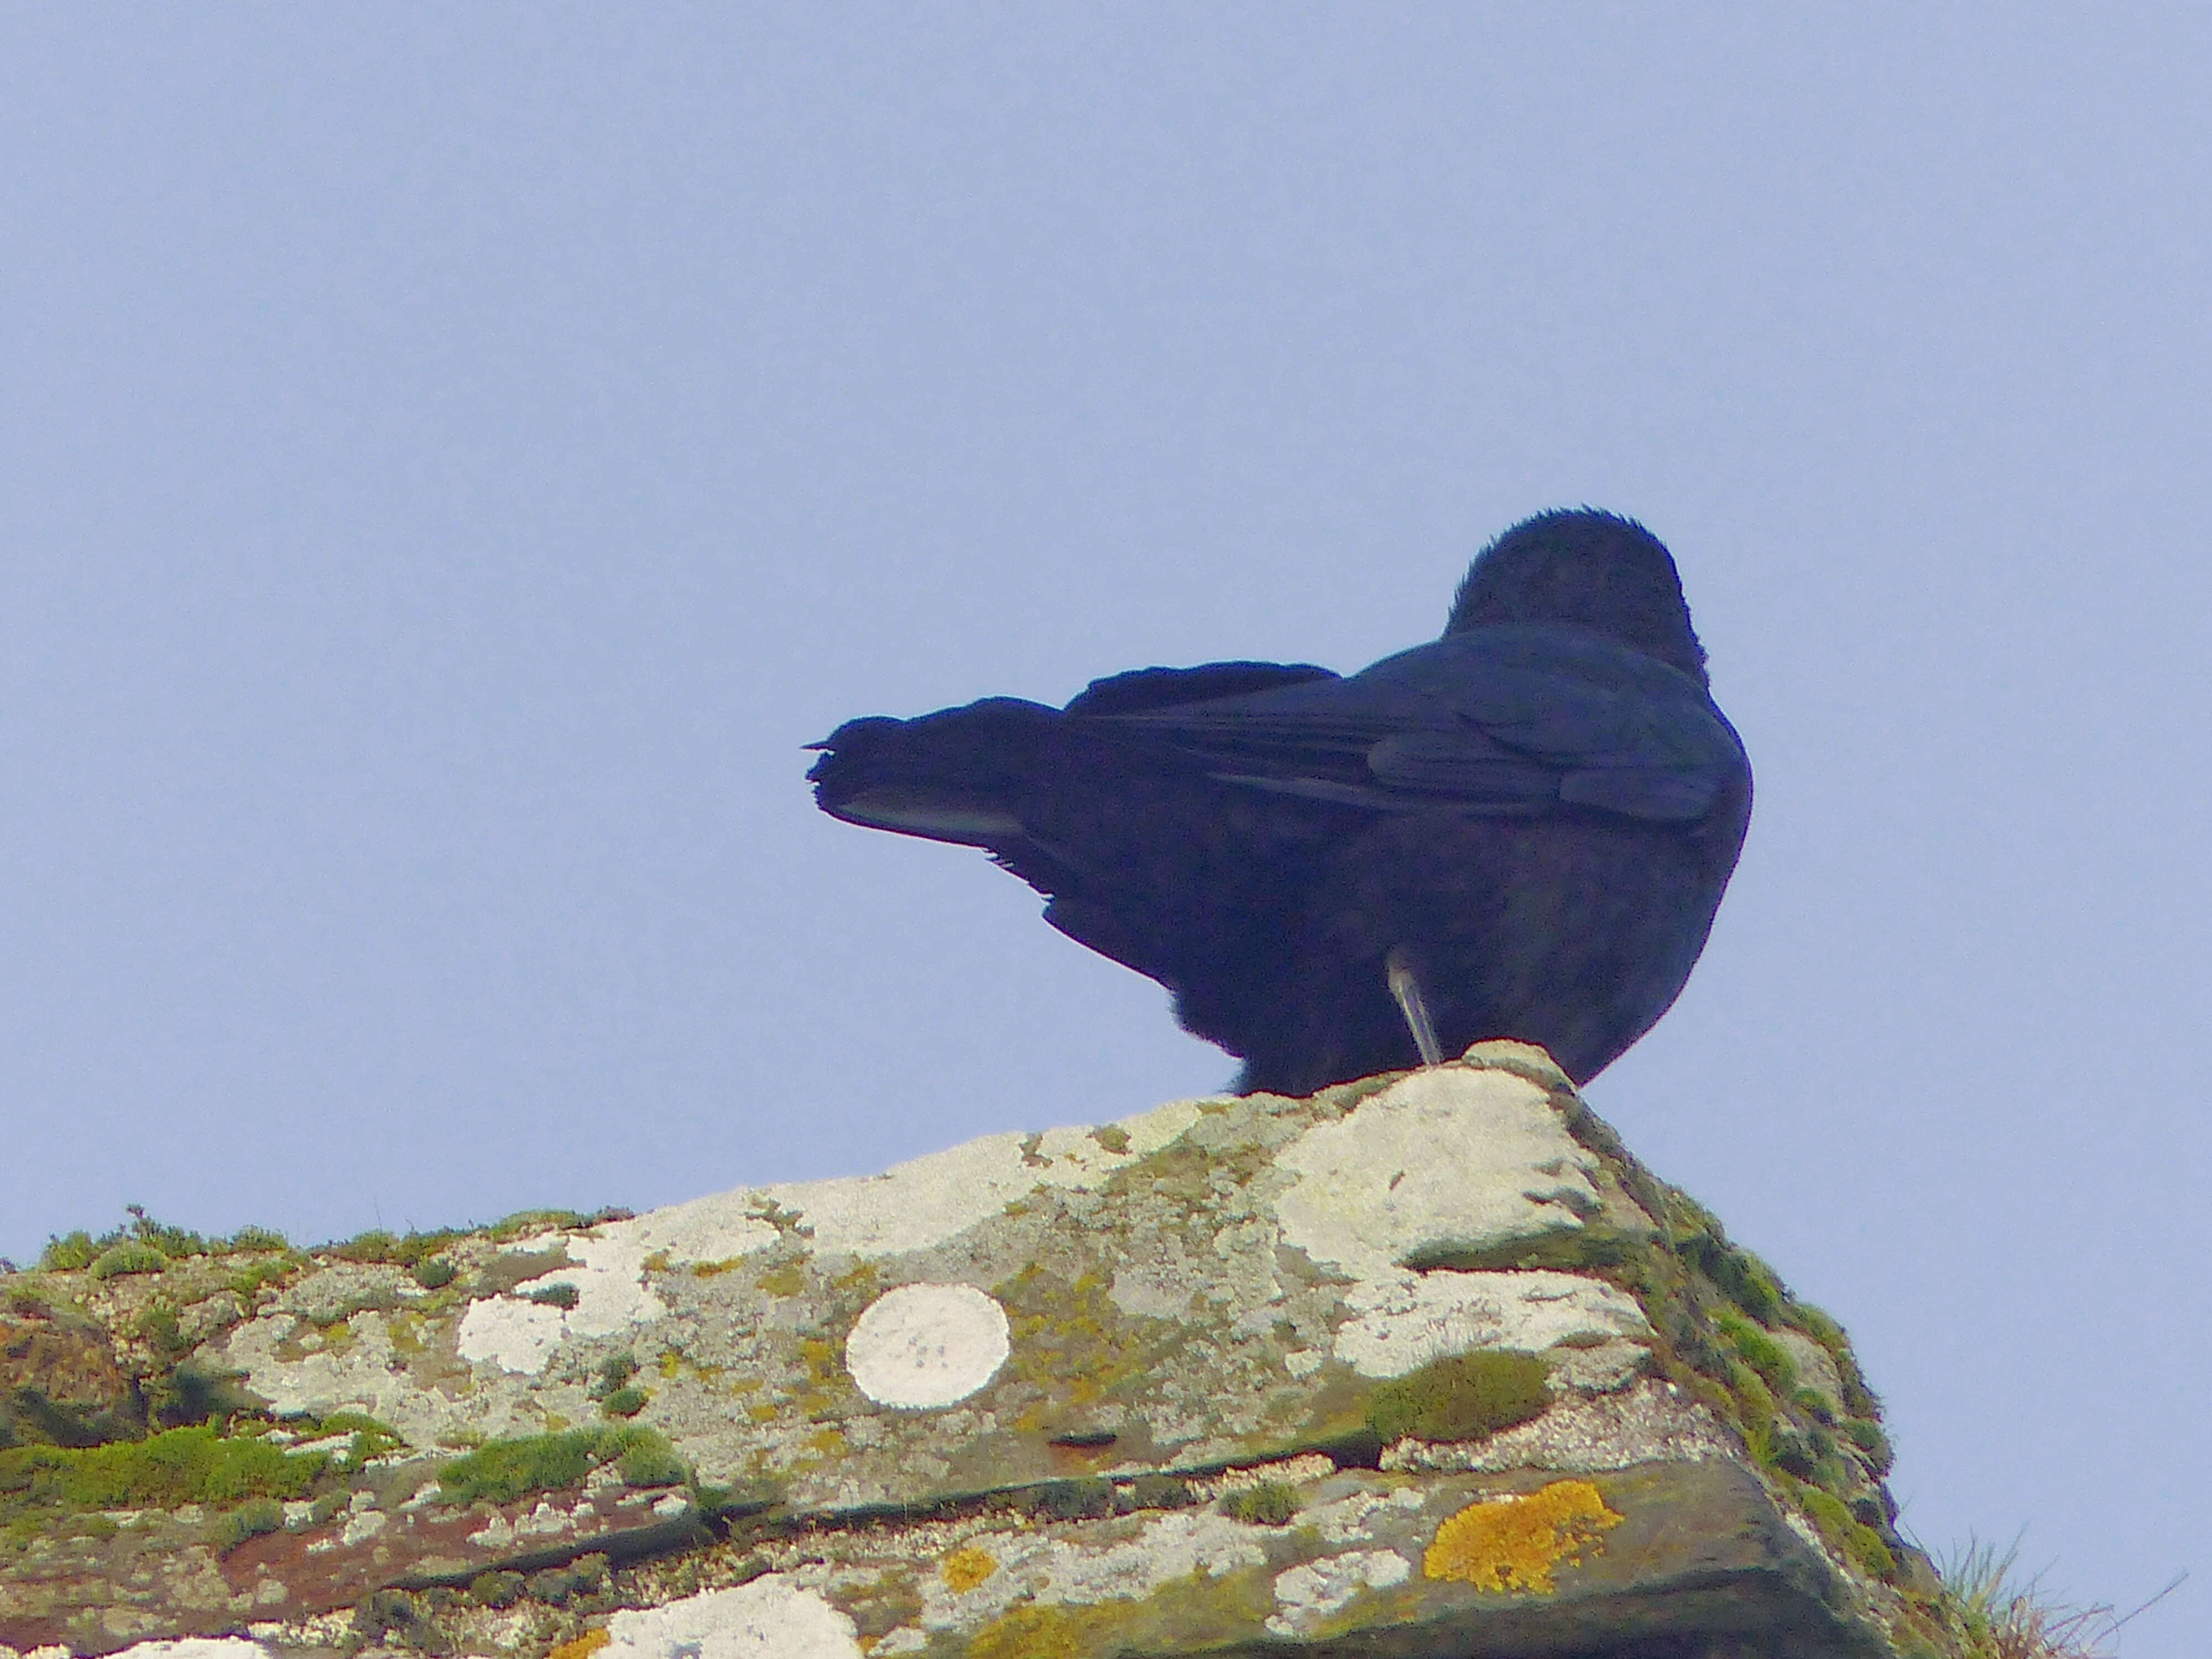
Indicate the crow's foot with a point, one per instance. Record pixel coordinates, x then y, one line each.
1407 990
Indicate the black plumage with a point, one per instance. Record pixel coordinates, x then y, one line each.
1533 818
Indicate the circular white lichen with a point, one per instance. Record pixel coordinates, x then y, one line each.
921 1345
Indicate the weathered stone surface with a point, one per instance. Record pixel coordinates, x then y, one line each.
1422 1365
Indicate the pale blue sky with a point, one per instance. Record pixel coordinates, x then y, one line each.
451 458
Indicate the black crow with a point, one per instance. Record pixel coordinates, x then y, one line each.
1521 829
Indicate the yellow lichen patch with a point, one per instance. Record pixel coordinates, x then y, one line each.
861 1281
1053 1633
1512 1544
582 1647
789 1280
966 1568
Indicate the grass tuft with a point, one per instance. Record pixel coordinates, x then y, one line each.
2011 1617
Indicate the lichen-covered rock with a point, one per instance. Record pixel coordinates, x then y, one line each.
1423 1364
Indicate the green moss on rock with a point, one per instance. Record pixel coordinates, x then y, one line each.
1846 1535
1563 1249
387 1613
1270 1503
433 1272
129 1257
1072 1500
257 1275
1868 1437
1465 1397
182 1465
625 1402
251 1519
647 1459
1715 1308
1758 1350
503 1470
496 1590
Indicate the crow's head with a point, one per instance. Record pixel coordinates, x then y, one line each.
1579 568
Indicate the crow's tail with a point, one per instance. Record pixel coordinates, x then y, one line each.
957 775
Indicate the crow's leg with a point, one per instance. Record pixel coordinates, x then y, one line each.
1398 973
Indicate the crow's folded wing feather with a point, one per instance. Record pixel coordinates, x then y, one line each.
1155 688
1504 720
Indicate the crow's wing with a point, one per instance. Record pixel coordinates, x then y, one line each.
1508 720
1156 687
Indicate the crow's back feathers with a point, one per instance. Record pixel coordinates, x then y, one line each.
1511 719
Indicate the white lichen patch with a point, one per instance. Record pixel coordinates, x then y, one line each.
771 1617
1349 1519
188 1647
611 1294
921 1347
912 1205
1403 1321
1446 1156
359 1528
1176 1545
719 1227
916 1205
547 1520
511 1334
521 1336
1134 1560
1310 1593
366 1372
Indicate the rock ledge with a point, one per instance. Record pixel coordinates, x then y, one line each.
1427 1364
